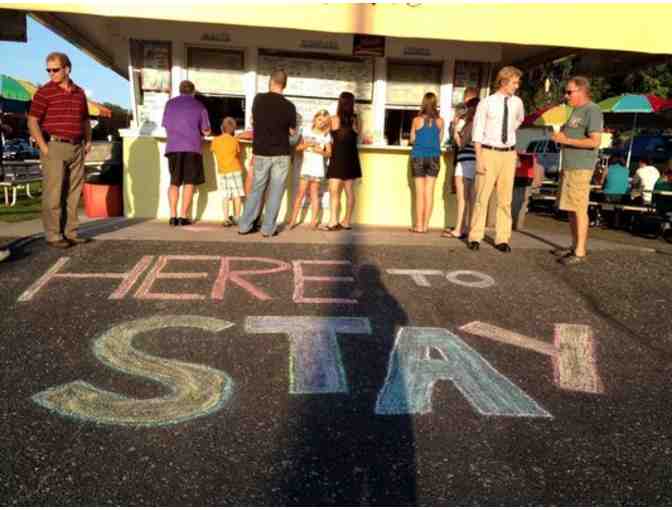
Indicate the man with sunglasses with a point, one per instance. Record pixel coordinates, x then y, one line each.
59 122
580 138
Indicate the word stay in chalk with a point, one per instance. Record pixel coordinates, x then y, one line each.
243 273
316 367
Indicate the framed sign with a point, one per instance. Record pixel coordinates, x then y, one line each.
154 60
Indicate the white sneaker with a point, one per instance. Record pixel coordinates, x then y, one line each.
4 254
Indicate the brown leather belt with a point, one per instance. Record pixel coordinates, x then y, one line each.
62 139
500 149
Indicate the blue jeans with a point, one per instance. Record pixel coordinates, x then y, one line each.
274 168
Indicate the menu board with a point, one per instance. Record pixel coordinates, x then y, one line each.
216 71
153 60
467 74
319 77
408 83
306 108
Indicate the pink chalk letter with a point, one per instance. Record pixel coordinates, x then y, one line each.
300 280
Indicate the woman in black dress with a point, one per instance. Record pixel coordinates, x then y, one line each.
344 165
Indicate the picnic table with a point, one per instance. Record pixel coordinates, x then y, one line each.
19 175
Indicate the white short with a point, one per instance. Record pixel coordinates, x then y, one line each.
466 169
231 185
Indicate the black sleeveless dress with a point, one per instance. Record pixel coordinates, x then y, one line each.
344 160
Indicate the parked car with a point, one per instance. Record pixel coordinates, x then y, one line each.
656 147
547 154
19 150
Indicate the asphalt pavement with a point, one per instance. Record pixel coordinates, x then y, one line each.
160 366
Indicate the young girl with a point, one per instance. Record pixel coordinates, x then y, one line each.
344 166
465 171
316 148
426 136
227 157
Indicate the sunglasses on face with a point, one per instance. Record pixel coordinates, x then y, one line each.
53 69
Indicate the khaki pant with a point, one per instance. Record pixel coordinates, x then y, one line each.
62 180
500 170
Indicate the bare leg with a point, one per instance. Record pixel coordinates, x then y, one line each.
314 202
581 233
429 202
573 228
225 208
187 194
173 194
334 201
237 206
460 224
419 203
469 197
298 201
349 202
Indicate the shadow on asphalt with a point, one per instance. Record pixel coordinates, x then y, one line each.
341 452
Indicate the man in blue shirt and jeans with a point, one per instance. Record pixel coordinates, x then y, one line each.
274 119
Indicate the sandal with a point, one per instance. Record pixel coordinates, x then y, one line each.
329 228
344 227
416 231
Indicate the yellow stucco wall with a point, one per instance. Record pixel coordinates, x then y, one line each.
632 26
384 195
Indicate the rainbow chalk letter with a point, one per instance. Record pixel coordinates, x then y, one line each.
412 373
194 390
315 364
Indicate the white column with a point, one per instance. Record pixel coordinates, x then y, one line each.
379 98
446 99
179 70
251 59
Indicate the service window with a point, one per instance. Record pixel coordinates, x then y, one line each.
218 75
407 83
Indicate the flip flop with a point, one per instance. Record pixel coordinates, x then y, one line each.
449 233
328 228
415 231
344 227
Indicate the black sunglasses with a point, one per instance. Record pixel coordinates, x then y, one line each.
53 69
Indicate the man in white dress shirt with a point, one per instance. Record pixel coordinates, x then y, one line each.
494 135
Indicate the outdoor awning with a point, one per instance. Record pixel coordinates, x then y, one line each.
636 27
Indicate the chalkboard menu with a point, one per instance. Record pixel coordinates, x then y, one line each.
407 83
216 71
319 77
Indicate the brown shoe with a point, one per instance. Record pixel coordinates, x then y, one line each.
61 243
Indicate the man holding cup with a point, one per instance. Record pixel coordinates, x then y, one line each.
580 138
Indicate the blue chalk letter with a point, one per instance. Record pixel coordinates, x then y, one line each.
411 375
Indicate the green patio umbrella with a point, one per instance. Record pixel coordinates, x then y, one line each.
632 103
12 89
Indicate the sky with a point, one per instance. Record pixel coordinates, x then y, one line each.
26 61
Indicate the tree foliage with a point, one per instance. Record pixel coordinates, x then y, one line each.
545 85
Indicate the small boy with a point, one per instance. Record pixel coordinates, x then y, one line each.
227 157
